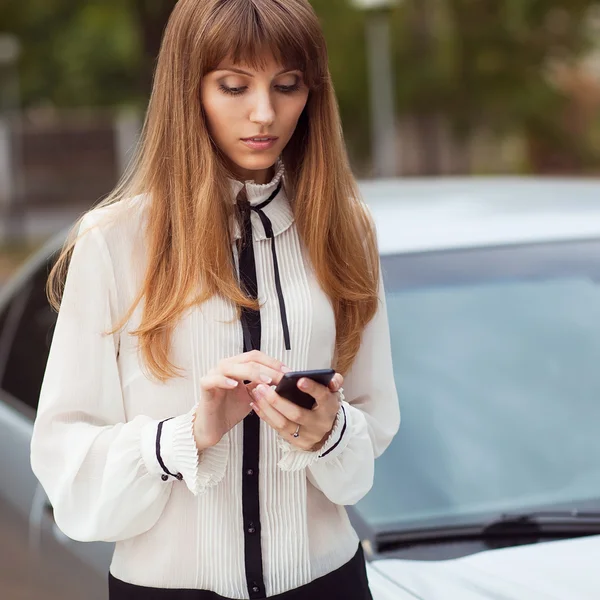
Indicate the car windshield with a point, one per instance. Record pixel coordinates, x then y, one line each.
497 365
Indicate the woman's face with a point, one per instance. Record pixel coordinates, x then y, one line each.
253 114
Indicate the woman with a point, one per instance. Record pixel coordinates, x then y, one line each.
158 425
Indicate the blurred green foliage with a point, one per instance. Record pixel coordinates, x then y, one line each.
486 62
474 61
88 52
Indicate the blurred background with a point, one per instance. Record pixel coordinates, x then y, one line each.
426 88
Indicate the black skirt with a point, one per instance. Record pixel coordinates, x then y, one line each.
349 582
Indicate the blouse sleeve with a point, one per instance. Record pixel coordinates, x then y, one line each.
105 477
366 423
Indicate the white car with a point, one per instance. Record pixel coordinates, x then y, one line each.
492 487
491 490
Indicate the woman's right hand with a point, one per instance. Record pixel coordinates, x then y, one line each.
225 400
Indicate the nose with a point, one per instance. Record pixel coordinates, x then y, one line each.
263 112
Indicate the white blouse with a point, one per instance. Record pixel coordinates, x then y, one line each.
94 439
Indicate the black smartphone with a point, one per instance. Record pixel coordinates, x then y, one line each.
288 386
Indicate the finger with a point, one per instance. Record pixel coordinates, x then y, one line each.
292 412
216 380
336 383
250 371
251 387
260 357
272 416
285 431
286 428
319 392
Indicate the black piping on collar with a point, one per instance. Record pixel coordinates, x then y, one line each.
266 223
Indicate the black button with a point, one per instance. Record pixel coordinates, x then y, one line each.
164 477
179 476
250 472
251 530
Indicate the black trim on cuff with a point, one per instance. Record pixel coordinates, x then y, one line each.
341 436
178 476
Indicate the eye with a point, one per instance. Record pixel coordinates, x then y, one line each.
288 89
232 91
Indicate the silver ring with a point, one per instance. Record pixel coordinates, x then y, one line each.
297 432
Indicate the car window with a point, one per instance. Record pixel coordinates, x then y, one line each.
496 356
33 320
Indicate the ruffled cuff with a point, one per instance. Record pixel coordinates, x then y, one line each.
295 459
180 456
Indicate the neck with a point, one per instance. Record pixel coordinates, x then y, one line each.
260 177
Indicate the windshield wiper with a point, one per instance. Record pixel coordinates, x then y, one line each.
549 522
521 526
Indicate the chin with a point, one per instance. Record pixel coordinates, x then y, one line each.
257 163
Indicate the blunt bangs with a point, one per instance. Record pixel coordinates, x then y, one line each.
249 31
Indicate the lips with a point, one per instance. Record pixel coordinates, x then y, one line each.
260 142
260 138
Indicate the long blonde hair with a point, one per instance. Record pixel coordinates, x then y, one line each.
178 166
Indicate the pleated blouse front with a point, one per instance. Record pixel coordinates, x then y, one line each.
94 445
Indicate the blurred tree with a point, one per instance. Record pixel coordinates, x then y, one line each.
486 63
151 17
344 29
93 53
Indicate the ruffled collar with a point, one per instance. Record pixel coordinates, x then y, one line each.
278 210
258 192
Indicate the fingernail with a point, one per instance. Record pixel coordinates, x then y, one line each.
254 407
259 391
285 369
303 383
231 381
265 378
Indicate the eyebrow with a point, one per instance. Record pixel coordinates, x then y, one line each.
242 72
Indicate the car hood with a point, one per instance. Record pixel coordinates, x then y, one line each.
543 571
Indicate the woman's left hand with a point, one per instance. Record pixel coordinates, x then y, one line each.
285 416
